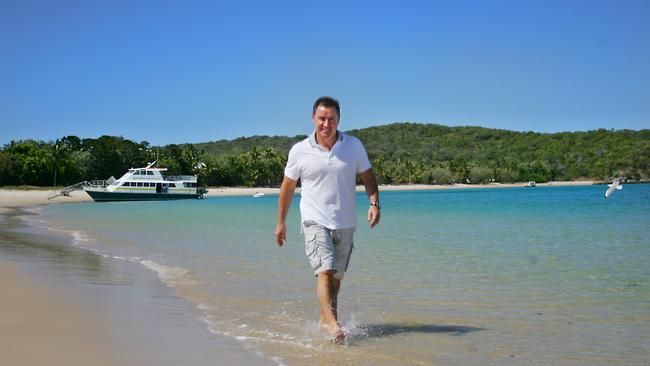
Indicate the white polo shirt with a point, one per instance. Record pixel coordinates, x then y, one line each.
328 179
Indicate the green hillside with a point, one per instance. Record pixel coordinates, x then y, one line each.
510 155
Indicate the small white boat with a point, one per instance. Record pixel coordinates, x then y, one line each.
258 195
530 184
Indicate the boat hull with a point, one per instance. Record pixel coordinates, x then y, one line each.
136 196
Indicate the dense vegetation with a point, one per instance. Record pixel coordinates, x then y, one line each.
400 153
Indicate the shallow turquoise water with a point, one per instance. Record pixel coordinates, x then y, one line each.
546 275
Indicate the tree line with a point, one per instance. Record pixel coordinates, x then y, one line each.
401 153
427 153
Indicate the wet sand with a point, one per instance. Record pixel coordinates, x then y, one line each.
38 327
61 305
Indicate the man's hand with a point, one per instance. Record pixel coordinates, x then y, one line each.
370 183
284 201
280 234
373 216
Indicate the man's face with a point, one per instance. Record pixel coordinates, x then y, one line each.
326 121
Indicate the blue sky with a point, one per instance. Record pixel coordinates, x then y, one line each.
196 71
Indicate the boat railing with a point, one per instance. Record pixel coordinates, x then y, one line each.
92 185
67 190
97 184
174 178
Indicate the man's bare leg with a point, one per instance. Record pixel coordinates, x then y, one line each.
327 288
336 287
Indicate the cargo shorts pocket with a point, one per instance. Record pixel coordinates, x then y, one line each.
311 249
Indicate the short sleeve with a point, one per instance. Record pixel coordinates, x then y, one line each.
363 163
292 170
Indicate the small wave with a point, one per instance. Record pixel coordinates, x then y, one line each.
35 220
168 275
245 338
80 237
32 209
277 360
204 307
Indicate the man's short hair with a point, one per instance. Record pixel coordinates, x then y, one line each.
327 102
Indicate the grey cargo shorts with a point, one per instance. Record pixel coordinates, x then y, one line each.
328 249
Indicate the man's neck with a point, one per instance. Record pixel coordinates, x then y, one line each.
328 144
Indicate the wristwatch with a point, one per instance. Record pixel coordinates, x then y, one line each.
376 204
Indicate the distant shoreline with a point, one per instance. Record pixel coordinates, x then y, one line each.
245 191
18 196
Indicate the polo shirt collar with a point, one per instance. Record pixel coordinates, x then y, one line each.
312 138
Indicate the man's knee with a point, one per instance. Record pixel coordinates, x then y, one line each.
328 273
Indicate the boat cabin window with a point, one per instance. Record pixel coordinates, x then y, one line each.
139 184
172 185
137 172
149 173
126 184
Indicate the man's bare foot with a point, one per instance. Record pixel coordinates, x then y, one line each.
336 332
339 337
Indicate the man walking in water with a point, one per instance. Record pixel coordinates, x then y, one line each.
327 163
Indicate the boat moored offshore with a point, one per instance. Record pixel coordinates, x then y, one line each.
145 184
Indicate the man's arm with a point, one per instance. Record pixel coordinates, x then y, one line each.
287 190
370 183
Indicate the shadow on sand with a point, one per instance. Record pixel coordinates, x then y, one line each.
385 330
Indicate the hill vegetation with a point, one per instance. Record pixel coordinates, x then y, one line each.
401 153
